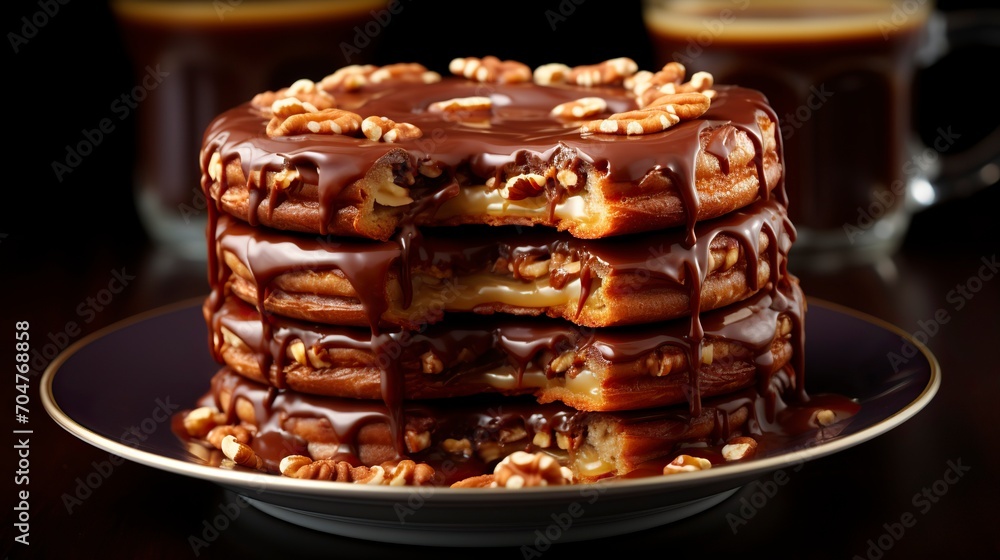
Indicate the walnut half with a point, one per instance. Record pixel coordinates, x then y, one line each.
522 469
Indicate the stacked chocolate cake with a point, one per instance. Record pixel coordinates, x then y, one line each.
504 277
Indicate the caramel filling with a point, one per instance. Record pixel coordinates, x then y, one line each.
584 382
482 200
588 462
467 292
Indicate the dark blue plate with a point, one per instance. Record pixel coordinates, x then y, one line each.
117 388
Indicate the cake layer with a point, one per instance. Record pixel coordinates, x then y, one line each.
588 369
535 271
463 440
332 158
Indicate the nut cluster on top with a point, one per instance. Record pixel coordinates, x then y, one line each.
663 98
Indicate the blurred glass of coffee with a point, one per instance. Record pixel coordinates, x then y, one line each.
194 59
840 76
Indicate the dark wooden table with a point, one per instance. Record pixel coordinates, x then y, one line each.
61 243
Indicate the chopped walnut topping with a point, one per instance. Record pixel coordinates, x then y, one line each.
457 447
318 357
348 78
404 72
219 433
299 466
784 325
563 362
307 356
707 354
571 267
430 363
241 453
826 417
686 106
289 106
305 91
417 441
298 352
670 80
523 186
215 167
286 122
387 130
739 448
405 473
430 169
530 270
201 420
510 435
567 178
490 69
521 469
388 193
410 473
285 178
667 111
542 439
732 256
461 105
488 451
637 81
481 481
553 73
580 108
356 76
687 463
613 71
632 123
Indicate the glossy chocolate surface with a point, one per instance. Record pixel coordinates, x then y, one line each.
770 420
468 345
517 133
366 264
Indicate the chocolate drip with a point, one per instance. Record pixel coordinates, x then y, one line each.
468 346
772 422
409 239
477 420
696 335
586 281
660 256
520 131
409 236
391 385
720 144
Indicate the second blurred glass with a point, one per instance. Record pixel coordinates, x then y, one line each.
839 74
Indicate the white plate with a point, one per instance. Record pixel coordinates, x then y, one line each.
131 373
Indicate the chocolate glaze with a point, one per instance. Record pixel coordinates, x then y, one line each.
772 422
660 256
468 344
520 132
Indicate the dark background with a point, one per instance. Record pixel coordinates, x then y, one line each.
59 240
63 80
